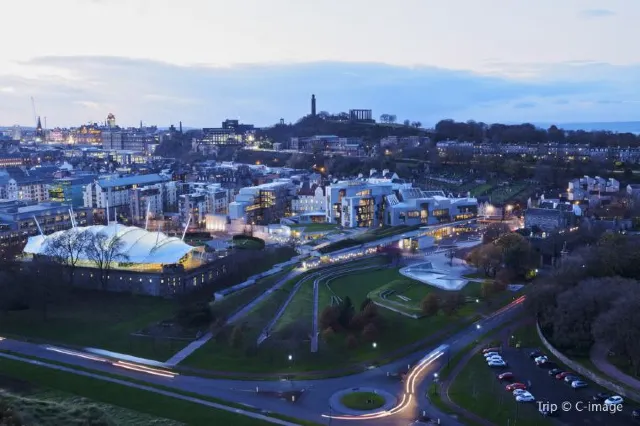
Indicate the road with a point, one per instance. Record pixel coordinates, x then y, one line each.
314 403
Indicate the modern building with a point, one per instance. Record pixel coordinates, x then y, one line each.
115 193
146 203
263 204
20 220
70 190
232 132
136 140
413 206
20 184
328 144
148 262
357 203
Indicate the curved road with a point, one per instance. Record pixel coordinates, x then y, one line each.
313 405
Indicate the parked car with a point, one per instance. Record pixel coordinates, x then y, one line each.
527 397
496 363
506 377
484 351
535 354
570 378
614 400
519 392
635 414
554 371
541 360
561 376
490 354
600 396
513 386
494 358
578 384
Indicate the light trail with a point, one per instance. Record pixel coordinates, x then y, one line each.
414 374
143 369
409 391
77 354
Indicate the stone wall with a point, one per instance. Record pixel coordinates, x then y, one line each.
583 371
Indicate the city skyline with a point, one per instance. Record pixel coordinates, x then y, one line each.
425 62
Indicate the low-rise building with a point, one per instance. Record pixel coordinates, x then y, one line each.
551 217
310 198
263 204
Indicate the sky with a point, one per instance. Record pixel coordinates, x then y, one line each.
202 61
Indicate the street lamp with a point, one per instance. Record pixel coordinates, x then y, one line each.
374 345
478 326
290 357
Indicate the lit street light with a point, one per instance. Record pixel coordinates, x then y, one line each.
374 345
478 326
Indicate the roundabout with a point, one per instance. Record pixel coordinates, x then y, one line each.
362 400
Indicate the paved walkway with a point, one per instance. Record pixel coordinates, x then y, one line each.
189 349
598 356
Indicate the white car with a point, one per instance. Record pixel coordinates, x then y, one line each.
519 392
525 397
493 358
614 400
497 363
490 354
541 360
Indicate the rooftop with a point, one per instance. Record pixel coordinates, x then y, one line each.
132 180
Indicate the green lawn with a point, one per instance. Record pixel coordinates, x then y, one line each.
300 309
231 303
140 401
96 319
476 389
362 401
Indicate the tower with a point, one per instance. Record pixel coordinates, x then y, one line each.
313 105
181 127
39 130
111 121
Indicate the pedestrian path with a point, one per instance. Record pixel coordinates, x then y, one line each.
598 356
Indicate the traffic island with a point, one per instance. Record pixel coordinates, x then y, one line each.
359 401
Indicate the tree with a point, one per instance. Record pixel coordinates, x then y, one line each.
416 124
487 257
104 251
346 312
366 302
407 123
517 254
487 289
495 231
385 118
393 118
329 317
430 304
370 333
452 303
352 342
327 334
236 338
370 312
67 248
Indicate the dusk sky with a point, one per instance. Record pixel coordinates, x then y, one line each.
201 61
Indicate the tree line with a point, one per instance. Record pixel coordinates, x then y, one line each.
592 297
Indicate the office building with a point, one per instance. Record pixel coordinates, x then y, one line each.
263 204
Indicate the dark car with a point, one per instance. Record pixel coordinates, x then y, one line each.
600 396
635 414
554 371
506 377
535 354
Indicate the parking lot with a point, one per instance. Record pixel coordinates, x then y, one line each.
581 408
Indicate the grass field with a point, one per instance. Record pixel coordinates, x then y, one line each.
231 303
476 389
300 309
362 401
144 405
95 319
369 236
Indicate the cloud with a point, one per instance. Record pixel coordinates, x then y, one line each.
202 96
596 13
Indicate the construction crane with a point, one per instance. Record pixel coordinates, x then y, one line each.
33 107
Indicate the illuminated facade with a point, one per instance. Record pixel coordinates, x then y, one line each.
263 204
413 206
90 134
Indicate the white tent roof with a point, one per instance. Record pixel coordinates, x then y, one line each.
140 246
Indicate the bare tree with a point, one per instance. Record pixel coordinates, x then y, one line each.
66 249
103 251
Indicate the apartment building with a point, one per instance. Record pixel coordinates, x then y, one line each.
311 198
357 203
584 187
20 184
201 199
263 204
